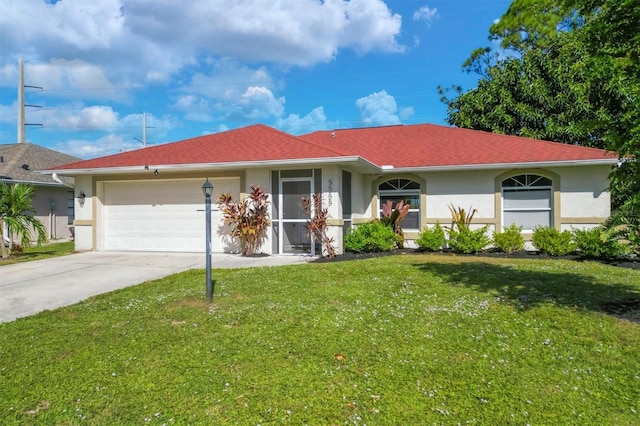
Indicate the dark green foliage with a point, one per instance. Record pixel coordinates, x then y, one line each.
431 239
625 223
509 240
553 242
542 94
598 243
372 236
468 241
567 71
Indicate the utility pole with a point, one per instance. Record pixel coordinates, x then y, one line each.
21 103
144 129
21 106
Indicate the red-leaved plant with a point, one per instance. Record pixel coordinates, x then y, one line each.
248 218
317 224
393 216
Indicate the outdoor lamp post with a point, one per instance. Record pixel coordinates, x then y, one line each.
207 190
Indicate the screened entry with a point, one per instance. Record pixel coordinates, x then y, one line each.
290 219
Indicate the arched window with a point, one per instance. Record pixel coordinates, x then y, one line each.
405 190
527 201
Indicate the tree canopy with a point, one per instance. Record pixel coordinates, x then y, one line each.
566 71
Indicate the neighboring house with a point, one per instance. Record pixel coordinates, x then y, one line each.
151 198
53 199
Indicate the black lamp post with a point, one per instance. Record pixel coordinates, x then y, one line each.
207 190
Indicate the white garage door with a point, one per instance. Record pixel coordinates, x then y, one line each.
163 215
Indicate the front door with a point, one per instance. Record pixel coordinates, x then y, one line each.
294 238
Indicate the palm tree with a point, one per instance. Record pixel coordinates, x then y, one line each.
15 208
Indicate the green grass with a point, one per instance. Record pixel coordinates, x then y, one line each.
414 339
40 252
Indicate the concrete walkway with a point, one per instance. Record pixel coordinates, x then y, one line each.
31 287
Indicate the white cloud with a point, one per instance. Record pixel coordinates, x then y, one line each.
425 14
257 103
227 79
74 118
406 113
378 109
74 79
109 144
195 108
112 142
369 25
135 41
80 118
254 103
9 113
294 124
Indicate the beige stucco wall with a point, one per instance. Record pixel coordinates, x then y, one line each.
360 196
581 198
584 192
474 189
331 189
262 177
84 223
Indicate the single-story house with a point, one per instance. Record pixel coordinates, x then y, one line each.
151 198
53 196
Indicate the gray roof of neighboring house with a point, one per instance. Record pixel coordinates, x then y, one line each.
20 162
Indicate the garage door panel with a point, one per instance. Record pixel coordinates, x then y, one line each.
162 215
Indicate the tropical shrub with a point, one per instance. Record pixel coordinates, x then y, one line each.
393 216
599 243
372 236
624 223
553 242
317 223
462 239
460 217
510 239
16 208
468 241
248 218
431 239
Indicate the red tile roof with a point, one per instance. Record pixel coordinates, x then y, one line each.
247 144
422 145
429 145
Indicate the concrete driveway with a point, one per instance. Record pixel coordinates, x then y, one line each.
31 287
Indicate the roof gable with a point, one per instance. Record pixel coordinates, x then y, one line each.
21 162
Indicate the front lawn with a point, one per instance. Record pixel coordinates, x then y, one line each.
40 252
411 339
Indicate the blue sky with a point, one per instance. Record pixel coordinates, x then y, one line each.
203 66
